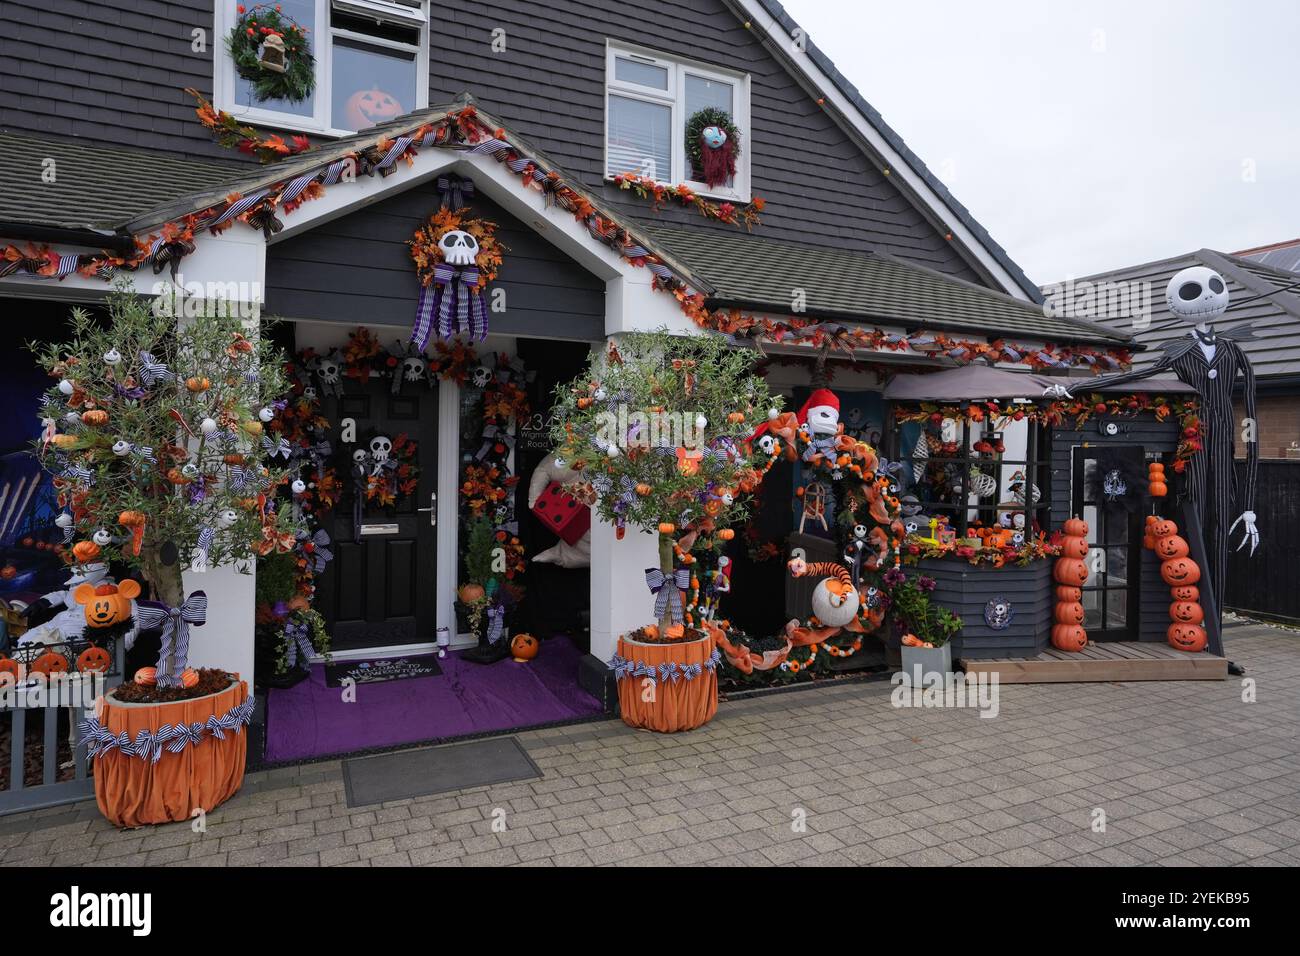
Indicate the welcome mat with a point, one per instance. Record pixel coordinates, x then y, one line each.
418 773
378 671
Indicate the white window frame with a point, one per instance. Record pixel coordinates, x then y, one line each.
224 75
675 97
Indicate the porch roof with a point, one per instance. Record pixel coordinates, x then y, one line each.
760 274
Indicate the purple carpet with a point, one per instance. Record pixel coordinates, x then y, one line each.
311 720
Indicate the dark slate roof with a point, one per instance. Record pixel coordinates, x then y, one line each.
759 274
1279 255
95 187
914 162
1275 319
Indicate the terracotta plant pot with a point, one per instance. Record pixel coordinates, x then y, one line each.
672 706
134 792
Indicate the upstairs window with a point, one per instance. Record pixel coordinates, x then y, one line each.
650 102
371 64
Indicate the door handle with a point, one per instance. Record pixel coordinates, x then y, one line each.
432 509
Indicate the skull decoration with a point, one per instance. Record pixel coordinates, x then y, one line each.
481 376
413 368
1197 294
767 443
458 247
328 370
381 446
121 447
309 393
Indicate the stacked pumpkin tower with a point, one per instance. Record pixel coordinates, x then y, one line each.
1070 574
1182 574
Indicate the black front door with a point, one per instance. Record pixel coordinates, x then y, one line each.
1110 595
379 589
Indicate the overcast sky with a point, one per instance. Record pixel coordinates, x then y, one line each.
1086 135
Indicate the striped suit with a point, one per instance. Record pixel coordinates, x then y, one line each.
1211 479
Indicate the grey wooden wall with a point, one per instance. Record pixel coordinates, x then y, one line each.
357 270
114 72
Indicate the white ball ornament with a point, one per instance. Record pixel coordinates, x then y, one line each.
298 486
72 418
112 357
208 426
64 520
266 414
701 422
772 413
67 386
102 537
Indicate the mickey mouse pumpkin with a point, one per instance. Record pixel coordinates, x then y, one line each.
106 604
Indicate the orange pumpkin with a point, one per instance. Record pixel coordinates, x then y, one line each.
1067 594
106 604
1180 571
1186 612
10 666
1075 527
1068 612
95 416
469 593
85 551
198 383
667 527
366 108
643 489
726 534
94 659
189 677
1069 637
1164 527
146 676
1072 547
1071 571
1171 546
1158 489
1186 592
51 662
524 647
1187 637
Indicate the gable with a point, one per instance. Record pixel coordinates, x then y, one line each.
357 269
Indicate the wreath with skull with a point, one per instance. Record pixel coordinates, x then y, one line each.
454 237
388 466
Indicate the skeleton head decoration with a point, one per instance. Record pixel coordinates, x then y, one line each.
381 447
328 369
1197 294
458 247
359 456
413 368
767 443
481 376
309 393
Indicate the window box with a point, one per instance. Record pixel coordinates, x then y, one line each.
649 98
967 589
372 65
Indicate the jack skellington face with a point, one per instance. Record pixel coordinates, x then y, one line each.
458 247
381 446
328 369
1197 294
413 368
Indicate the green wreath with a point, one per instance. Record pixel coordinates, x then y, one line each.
697 124
298 80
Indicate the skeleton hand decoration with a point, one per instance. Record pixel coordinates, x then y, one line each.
1250 533
1057 391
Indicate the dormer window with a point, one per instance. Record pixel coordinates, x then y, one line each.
371 65
650 102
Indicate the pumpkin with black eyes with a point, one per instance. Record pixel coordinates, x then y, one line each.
1068 612
10 666
524 647
1074 547
51 662
94 660
367 108
106 604
1163 528
1172 546
1186 612
1069 637
1185 592
1071 571
1187 637
1180 571
1067 594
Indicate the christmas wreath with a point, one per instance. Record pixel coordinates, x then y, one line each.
286 73
713 145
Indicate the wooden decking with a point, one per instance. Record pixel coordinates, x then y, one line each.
1105 661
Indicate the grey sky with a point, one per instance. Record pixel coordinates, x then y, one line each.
1090 134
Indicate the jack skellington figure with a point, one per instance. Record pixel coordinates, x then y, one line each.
1210 362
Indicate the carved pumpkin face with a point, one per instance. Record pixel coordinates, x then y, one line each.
50 662
1187 637
107 604
1070 612
1163 528
1067 594
1070 571
524 647
1069 637
367 108
1180 571
1171 546
1186 592
10 667
1186 612
1073 547
94 659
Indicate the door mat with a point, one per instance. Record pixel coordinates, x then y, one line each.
378 671
418 773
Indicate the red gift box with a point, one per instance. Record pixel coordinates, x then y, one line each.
562 513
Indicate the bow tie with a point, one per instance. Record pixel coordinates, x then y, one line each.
1206 338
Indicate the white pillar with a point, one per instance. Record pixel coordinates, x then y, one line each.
226 640
620 601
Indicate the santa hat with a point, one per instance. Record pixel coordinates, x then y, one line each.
819 398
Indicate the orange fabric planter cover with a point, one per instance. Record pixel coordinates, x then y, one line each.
681 705
135 792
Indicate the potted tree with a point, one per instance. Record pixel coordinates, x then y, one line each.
927 628
657 429
155 435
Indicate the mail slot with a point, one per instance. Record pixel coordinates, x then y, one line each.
379 529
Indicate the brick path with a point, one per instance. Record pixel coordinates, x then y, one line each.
1186 773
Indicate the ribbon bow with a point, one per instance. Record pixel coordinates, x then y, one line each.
622 667
175 623
454 289
714 659
144 453
692 671
494 435
185 735
296 636
454 191
669 670
496 618
98 739
152 371
667 591
320 554
275 447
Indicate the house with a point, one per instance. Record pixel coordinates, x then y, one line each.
561 116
